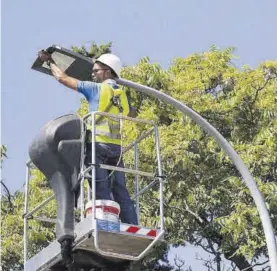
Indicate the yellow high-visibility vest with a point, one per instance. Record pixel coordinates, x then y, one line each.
108 128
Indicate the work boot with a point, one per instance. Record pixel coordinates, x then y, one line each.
66 251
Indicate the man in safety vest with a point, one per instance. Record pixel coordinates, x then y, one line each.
99 95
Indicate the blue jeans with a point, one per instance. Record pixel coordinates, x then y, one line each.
109 154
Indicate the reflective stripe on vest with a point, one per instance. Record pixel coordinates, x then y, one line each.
115 125
108 128
107 134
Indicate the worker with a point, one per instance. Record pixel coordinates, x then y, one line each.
102 94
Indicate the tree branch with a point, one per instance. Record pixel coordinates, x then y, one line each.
207 263
217 255
198 243
9 197
257 264
258 90
196 216
179 263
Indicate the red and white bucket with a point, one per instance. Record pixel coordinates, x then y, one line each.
105 210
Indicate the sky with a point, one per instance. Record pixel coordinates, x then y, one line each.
158 29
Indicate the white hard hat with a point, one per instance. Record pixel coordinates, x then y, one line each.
111 61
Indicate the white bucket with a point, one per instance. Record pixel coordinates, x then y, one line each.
105 210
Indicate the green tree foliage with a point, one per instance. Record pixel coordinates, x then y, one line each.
206 202
41 233
3 151
94 51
